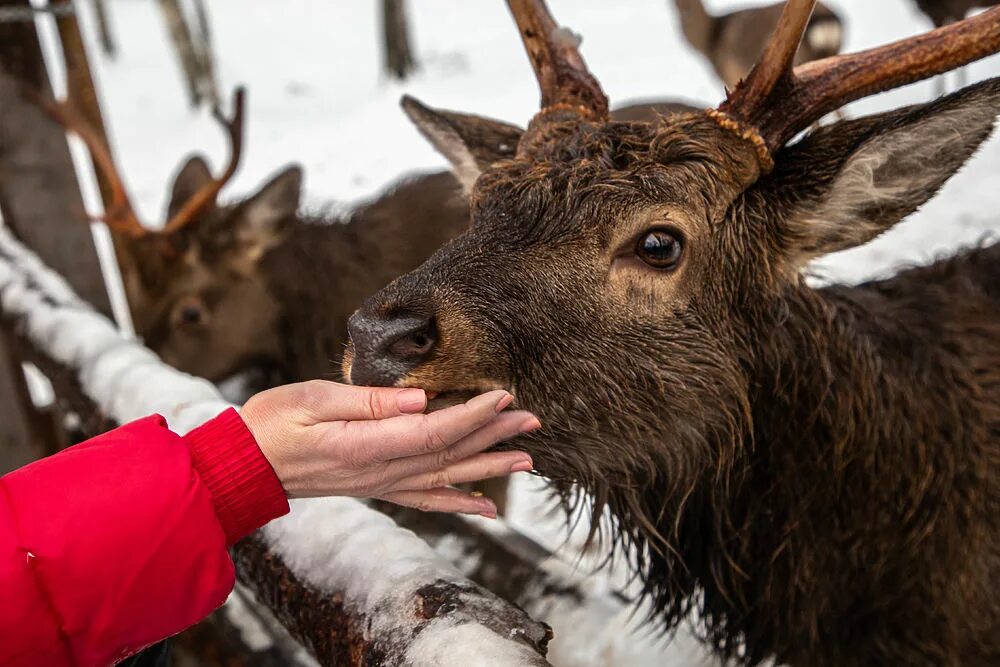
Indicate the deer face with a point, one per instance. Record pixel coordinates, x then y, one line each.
613 273
587 286
197 296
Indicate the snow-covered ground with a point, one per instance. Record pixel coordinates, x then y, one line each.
316 97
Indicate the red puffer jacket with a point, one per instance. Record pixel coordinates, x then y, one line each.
120 541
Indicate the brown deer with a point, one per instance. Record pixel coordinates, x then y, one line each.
943 12
255 284
733 42
816 472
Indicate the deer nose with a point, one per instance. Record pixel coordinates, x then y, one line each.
387 348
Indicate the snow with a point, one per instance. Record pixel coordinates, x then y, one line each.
379 568
316 97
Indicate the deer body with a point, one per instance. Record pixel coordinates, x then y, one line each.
733 42
943 12
815 472
861 528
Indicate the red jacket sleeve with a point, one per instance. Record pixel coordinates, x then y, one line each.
120 541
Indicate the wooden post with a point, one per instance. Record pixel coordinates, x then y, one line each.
40 201
39 193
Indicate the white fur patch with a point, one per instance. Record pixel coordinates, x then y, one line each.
903 167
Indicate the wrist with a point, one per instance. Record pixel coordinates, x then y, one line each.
246 491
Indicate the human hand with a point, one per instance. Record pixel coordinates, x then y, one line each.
329 439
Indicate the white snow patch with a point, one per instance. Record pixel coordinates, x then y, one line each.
338 544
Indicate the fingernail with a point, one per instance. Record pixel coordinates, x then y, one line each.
504 401
522 466
488 508
530 425
411 400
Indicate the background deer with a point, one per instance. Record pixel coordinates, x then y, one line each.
815 471
733 42
943 12
255 284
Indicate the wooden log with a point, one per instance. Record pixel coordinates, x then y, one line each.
24 437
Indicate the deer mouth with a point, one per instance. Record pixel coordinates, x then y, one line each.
438 399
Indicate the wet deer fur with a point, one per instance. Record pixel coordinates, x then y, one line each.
815 472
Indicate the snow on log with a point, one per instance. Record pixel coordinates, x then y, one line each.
594 624
347 582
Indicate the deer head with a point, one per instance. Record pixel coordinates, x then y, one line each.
614 272
192 284
205 307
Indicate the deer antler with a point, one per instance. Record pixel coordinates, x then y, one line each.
562 74
208 193
774 102
120 215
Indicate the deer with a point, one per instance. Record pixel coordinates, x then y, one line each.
733 42
219 289
813 472
944 12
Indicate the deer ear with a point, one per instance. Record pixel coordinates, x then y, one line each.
192 176
470 143
854 180
261 221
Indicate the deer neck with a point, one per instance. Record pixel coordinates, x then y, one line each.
696 23
864 435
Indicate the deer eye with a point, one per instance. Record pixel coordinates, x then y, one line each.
189 312
660 249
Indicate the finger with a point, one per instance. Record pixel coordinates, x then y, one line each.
504 426
411 435
472 469
332 401
443 500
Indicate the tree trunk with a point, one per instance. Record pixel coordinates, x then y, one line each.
104 31
205 54
398 57
187 56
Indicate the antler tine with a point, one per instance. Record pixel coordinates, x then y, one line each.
826 85
210 191
775 64
562 74
119 216
815 89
